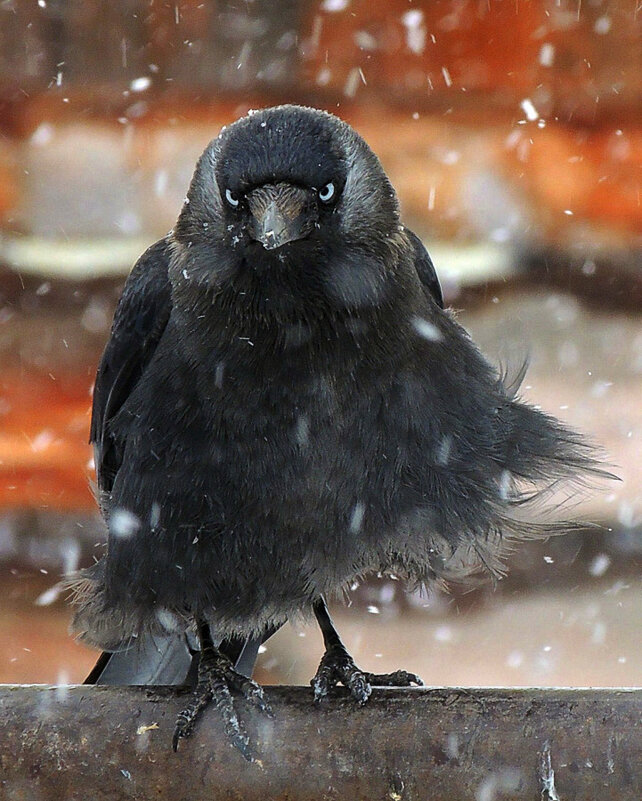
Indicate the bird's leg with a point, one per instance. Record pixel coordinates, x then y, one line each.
338 666
216 681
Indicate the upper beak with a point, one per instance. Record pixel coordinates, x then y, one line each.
281 213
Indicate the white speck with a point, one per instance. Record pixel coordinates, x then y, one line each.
443 634
499 784
185 275
621 660
447 79
529 109
600 388
501 234
374 610
42 3
356 521
547 54
515 659
365 40
140 84
161 181
452 746
599 565
431 198
95 317
262 649
598 635
263 124
168 620
627 516
568 212
42 135
352 82
412 18
128 222
415 31
547 648
123 523
70 552
302 432
504 484
323 76
450 157
62 686
42 441
549 560
332 6
589 267
154 515
443 451
219 372
126 774
602 25
427 330
48 596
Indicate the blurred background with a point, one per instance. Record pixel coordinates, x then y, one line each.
512 130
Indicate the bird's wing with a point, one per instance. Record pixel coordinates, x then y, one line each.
139 322
425 269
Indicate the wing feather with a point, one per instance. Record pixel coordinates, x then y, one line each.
139 322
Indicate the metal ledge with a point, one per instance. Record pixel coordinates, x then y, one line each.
98 743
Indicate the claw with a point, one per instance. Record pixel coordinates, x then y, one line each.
216 679
338 666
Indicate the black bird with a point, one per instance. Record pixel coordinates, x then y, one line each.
284 405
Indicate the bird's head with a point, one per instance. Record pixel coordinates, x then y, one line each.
289 194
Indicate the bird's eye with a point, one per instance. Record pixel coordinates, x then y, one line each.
326 193
232 198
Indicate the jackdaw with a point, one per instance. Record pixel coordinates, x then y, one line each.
285 405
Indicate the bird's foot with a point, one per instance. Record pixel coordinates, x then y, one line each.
338 666
217 679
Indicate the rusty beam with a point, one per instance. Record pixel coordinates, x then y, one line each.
100 743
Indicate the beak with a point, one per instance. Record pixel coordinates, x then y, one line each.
281 213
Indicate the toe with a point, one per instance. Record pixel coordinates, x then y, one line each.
400 678
358 684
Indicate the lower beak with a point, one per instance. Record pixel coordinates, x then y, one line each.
281 213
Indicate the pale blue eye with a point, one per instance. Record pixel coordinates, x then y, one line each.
232 198
326 193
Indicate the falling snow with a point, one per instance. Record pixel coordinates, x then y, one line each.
427 330
123 523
